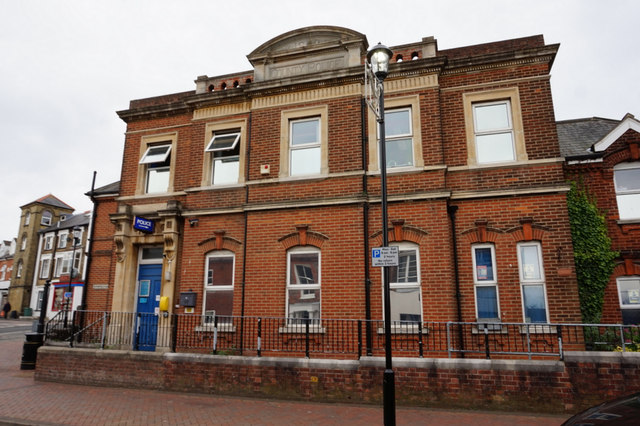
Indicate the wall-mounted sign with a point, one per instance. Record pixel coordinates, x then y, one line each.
385 256
142 224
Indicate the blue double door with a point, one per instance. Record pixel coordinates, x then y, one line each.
148 304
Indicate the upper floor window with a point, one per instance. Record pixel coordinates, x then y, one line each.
303 284
303 143
62 240
494 132
19 270
218 286
493 123
157 161
23 243
304 149
44 268
485 282
3 272
532 281
48 242
404 286
225 152
398 138
46 218
27 218
627 181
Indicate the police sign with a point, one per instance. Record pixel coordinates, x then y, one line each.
384 256
142 224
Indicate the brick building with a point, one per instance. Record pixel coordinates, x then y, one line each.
604 155
259 192
7 251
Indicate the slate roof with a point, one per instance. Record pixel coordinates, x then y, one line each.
577 136
81 219
112 188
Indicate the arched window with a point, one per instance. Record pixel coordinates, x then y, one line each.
218 286
485 282
532 282
27 218
303 285
46 218
19 270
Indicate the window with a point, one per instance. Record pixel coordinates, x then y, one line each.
532 282
62 265
27 218
303 142
627 181
23 244
493 124
48 242
218 287
157 160
46 218
3 272
225 164
629 292
19 270
404 287
304 148
44 268
40 298
303 285
485 282
398 138
402 136
62 240
494 132
76 260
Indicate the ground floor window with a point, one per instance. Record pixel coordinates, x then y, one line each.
218 287
629 294
485 282
404 286
532 281
303 285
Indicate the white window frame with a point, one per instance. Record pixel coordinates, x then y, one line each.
397 325
320 113
317 144
632 279
208 316
46 218
527 281
213 150
62 240
308 290
19 270
45 265
477 282
152 163
3 272
508 130
391 138
27 218
624 211
156 163
48 242
23 243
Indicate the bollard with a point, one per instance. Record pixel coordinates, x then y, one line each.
30 350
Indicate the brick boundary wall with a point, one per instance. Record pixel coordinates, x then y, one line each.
581 380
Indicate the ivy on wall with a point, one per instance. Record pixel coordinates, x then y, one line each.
594 258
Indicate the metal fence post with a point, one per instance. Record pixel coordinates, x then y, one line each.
174 332
306 337
449 339
560 348
259 337
215 334
486 342
104 330
73 328
420 348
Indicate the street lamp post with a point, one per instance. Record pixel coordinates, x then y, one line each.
378 59
74 240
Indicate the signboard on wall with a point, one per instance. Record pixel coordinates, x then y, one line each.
142 224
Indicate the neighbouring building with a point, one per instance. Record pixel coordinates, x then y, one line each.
35 216
62 260
604 156
259 193
7 251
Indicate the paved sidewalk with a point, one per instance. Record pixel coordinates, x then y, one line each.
25 401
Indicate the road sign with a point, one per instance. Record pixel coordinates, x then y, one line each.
68 294
384 256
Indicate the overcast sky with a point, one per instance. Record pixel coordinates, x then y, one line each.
66 66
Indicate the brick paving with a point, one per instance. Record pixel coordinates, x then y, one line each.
25 401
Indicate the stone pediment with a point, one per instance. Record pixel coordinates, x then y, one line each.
309 50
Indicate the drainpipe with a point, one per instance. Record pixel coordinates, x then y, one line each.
365 226
89 244
452 215
246 220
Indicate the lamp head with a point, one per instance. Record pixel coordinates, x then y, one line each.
379 57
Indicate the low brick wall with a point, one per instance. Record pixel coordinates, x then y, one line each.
584 378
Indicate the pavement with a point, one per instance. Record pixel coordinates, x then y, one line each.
24 401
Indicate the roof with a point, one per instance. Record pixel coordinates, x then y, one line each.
51 200
112 188
576 137
81 219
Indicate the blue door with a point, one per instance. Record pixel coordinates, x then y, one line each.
147 310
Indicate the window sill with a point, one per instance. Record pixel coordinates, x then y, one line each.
538 329
151 196
222 328
215 187
490 327
405 329
397 170
301 329
286 179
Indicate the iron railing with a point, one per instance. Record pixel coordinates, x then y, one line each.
335 338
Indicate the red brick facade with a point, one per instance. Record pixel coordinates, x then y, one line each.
336 213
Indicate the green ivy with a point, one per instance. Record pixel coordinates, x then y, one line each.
594 258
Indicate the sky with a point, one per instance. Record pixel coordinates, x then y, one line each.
67 66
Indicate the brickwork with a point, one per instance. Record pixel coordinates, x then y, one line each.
583 379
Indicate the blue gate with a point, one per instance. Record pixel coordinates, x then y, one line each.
148 304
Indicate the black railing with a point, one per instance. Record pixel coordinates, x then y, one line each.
335 338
